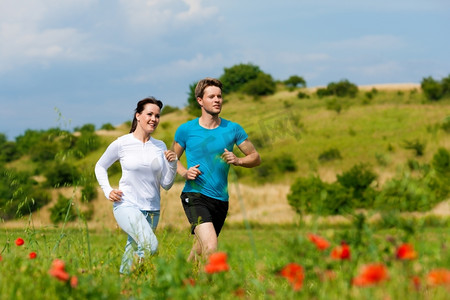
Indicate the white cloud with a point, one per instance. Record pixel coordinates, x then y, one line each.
158 17
179 69
27 35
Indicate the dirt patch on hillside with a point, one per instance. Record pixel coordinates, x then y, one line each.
266 204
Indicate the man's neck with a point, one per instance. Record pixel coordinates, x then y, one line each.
209 121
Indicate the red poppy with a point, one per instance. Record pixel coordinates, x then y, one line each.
416 282
320 242
341 252
32 255
189 281
74 281
58 270
438 277
371 274
406 252
217 263
294 274
1 258
20 242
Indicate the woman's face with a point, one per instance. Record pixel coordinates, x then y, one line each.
148 119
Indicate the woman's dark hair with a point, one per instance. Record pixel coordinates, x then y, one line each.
140 107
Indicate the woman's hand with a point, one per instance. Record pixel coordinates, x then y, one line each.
115 196
170 155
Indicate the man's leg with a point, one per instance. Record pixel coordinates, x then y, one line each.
205 242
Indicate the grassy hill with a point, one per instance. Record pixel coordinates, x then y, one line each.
291 134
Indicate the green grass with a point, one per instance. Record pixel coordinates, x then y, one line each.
255 257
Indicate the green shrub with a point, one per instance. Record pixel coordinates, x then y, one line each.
107 126
62 210
285 163
262 85
87 142
302 95
62 174
358 180
446 125
311 195
329 155
416 145
406 194
335 105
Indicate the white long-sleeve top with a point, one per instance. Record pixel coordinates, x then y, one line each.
144 170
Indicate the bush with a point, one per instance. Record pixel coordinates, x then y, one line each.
432 89
302 95
167 109
358 180
107 126
235 77
330 154
294 81
62 174
262 85
62 208
446 125
87 142
286 163
343 88
406 194
416 145
311 195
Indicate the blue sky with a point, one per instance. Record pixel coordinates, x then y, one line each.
68 63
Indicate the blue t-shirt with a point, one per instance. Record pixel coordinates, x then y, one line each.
204 147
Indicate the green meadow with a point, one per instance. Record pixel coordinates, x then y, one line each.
396 133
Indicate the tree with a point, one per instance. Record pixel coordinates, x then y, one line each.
237 76
262 85
193 107
295 80
431 88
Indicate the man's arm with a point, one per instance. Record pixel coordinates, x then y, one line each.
250 160
190 174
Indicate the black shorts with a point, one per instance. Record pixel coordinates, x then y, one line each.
201 209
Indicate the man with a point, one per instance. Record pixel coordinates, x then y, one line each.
208 142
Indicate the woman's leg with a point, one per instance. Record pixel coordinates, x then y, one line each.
141 238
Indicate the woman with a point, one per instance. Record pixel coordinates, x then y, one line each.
146 165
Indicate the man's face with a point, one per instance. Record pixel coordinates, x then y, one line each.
212 100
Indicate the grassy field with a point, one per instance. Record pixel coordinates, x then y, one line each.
255 258
364 129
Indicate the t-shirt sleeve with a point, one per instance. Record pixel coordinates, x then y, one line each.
241 135
180 135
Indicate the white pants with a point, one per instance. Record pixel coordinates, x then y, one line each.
139 225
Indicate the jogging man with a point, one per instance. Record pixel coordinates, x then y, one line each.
208 142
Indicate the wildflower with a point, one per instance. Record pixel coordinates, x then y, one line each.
294 274
20 242
320 242
74 281
416 282
406 252
189 281
58 270
217 263
1 258
32 255
341 252
371 274
438 277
